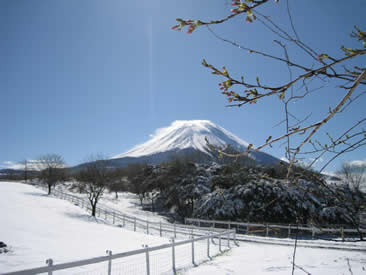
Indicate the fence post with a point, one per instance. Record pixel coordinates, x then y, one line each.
105 212
235 242
220 243
134 225
175 230
147 260
267 229
193 251
160 229
208 246
49 262
289 230
109 253
212 239
147 227
342 233
312 232
228 240
173 254
114 217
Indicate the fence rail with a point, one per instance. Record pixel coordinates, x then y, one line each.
228 235
196 235
265 229
135 224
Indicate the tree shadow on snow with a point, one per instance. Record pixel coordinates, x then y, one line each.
36 194
84 217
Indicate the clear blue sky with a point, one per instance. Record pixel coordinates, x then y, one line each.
82 77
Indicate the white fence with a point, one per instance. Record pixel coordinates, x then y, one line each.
203 243
267 229
136 224
194 245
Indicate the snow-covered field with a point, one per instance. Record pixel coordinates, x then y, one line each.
270 259
37 227
126 203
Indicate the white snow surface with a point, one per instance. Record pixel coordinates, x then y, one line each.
127 204
184 134
37 227
255 259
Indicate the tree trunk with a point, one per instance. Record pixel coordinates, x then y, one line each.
49 189
94 208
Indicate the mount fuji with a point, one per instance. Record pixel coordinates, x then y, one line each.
187 137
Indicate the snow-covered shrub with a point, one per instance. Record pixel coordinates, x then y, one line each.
237 192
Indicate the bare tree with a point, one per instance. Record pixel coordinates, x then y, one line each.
300 134
52 167
137 174
352 175
93 179
119 181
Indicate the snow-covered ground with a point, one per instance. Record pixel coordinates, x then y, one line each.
271 259
129 204
36 227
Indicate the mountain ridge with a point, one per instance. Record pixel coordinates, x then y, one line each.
184 136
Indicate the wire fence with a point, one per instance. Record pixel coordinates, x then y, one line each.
163 259
281 230
202 244
136 224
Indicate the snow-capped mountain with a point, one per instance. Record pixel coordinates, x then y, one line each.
187 136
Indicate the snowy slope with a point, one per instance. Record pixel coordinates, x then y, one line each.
190 135
37 227
183 134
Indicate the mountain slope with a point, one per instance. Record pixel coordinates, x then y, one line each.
183 137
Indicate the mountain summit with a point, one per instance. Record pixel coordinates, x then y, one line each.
187 136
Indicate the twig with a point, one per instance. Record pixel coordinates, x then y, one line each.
294 253
349 267
325 120
301 268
